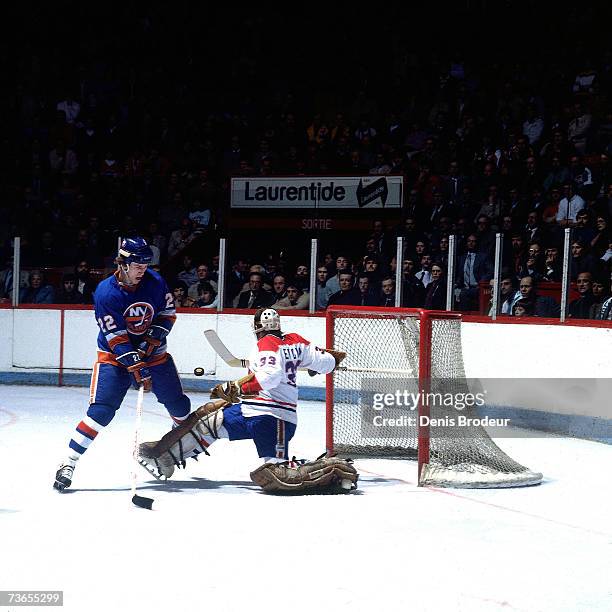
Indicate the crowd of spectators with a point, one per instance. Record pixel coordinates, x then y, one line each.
99 143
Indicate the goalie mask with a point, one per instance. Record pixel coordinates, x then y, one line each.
266 320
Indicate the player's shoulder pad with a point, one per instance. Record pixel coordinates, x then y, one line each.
107 291
293 338
269 343
152 275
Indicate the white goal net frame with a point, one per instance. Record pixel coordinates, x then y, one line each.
421 349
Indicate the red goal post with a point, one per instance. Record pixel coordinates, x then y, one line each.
415 349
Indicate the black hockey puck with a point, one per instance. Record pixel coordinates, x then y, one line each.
142 502
199 371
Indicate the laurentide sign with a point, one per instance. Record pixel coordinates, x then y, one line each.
317 192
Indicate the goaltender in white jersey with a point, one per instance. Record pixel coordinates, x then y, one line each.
261 406
275 361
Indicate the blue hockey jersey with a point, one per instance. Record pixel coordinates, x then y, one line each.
124 313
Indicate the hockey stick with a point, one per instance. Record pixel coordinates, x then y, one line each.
138 500
227 356
223 351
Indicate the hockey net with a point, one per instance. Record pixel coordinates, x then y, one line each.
419 351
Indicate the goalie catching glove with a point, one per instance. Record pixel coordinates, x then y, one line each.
326 474
229 392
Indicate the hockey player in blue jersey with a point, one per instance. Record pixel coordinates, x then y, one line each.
135 312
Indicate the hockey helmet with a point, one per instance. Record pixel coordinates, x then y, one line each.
266 319
135 250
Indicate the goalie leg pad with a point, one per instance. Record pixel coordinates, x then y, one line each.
185 441
327 474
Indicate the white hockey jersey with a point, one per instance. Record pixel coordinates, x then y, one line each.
275 362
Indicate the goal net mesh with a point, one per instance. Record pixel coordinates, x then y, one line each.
383 356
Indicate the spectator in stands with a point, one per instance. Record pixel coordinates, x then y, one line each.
601 293
323 292
472 268
605 313
508 293
424 274
68 294
343 264
157 238
387 297
367 296
435 296
296 299
442 252
203 275
581 260
207 296
485 236
371 269
601 239
580 308
62 160
181 299
583 230
85 283
188 273
532 265
413 291
569 206
6 281
492 207
348 295
541 306
558 175
522 308
236 278
181 238
302 277
279 287
533 126
256 296
38 292
532 230
579 129
552 265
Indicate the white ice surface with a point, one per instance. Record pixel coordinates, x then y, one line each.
213 542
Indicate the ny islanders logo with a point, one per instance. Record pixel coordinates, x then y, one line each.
138 317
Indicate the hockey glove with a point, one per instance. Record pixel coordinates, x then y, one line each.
153 338
136 367
229 391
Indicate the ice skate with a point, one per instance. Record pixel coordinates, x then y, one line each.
63 476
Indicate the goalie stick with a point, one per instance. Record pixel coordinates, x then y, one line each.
227 356
223 351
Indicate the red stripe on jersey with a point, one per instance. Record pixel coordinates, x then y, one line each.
267 399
